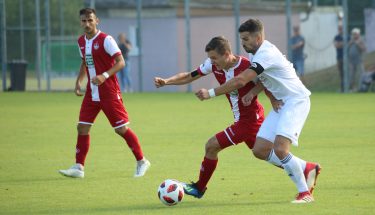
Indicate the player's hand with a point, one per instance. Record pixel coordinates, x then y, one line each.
276 104
203 94
159 82
246 100
77 90
98 80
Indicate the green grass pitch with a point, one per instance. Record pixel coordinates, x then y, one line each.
38 135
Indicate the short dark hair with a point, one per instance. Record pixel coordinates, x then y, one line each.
220 44
251 26
87 11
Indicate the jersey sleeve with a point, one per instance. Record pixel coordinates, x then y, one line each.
262 61
205 68
111 46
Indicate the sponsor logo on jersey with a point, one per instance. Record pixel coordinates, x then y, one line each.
89 61
82 47
96 45
219 73
234 93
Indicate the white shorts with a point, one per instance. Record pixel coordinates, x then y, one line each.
288 122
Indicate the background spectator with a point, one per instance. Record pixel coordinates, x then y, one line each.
124 74
367 78
339 44
356 49
298 43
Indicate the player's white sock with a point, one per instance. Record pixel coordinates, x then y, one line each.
293 168
273 159
301 162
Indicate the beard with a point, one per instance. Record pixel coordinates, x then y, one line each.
249 50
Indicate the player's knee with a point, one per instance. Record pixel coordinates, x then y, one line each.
83 129
280 152
121 130
260 154
212 147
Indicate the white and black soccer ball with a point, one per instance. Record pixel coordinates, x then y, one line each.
170 192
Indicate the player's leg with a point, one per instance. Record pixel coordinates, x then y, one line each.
83 142
293 169
118 117
208 166
263 150
132 141
292 118
263 147
232 135
89 111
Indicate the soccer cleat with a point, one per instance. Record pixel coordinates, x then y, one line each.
304 197
311 173
142 167
192 190
76 171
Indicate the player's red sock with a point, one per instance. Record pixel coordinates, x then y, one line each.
207 169
82 148
133 143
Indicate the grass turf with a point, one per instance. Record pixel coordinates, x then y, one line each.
37 137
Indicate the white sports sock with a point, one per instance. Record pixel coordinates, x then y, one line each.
273 159
301 162
293 168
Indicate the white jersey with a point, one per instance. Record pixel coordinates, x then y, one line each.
276 73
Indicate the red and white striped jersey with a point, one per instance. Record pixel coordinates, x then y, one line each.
240 112
99 54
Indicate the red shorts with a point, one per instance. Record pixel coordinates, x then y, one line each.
113 109
241 131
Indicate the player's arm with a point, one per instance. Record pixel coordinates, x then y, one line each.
248 98
276 104
80 77
178 79
235 83
119 64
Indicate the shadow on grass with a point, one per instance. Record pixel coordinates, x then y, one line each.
33 180
157 208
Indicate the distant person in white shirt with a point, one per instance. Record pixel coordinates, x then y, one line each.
283 126
356 50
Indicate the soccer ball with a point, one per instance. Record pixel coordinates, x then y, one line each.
170 192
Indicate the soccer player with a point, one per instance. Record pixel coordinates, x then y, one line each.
247 119
101 60
282 128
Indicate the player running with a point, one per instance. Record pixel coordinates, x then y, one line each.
247 119
101 60
282 128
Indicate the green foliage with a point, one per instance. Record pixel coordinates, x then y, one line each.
64 20
38 134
